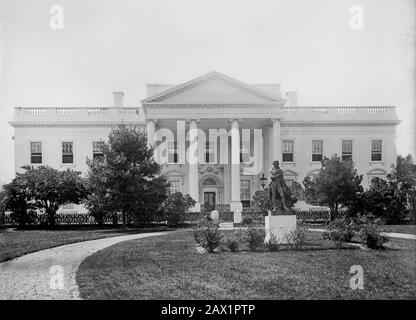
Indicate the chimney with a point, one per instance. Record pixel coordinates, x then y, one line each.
292 99
118 99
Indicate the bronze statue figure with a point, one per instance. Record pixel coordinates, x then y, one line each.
279 191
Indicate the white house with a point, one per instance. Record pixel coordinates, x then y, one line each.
251 125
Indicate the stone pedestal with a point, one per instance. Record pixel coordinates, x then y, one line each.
215 216
237 216
279 226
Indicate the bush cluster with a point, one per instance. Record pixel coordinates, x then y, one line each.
296 238
339 231
207 235
370 230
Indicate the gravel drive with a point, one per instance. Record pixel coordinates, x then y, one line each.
50 273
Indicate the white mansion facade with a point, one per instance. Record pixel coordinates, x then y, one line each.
297 136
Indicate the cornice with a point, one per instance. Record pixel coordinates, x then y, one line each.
339 123
73 124
209 104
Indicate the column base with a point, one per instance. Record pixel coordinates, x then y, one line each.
196 207
236 205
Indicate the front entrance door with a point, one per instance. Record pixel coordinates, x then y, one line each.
209 201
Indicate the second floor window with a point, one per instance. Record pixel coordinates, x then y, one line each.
376 146
172 152
209 152
346 150
67 152
317 150
36 152
97 150
287 148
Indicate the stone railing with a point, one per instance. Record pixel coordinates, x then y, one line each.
339 113
82 114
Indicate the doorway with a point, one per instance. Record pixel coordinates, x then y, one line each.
209 201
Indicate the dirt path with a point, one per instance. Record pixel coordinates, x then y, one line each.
50 273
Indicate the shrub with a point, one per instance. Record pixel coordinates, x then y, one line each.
176 206
272 244
232 244
370 233
247 221
253 237
296 238
339 231
207 235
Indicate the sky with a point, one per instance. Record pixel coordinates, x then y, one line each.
306 46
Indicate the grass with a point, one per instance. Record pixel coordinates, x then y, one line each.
402 228
168 267
15 243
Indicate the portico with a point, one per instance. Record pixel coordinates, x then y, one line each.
203 120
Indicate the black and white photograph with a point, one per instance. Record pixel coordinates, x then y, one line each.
206 151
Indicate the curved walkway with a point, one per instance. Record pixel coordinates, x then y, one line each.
50 273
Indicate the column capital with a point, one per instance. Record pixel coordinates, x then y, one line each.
231 120
151 120
197 120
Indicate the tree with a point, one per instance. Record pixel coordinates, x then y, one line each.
43 188
404 177
176 206
336 184
3 199
391 198
262 202
127 178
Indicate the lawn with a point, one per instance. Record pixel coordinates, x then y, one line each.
399 228
14 243
168 267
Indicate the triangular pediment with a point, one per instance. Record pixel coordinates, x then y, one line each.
213 88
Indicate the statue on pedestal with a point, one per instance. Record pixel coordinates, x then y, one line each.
279 192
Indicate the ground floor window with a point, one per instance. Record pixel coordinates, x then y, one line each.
175 186
245 192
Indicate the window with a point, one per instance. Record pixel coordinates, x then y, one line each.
376 150
97 150
174 186
245 192
172 152
209 152
346 150
317 150
36 152
67 152
244 151
287 151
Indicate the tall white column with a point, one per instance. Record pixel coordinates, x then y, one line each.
276 140
235 203
193 164
150 126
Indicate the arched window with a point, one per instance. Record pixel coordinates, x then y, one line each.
209 182
376 173
290 177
